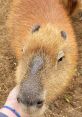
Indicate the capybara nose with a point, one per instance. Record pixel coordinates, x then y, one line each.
31 102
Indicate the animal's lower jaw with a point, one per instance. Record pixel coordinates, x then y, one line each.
37 113
34 114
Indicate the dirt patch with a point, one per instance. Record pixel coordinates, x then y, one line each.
67 105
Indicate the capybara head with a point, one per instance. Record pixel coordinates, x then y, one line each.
46 67
43 41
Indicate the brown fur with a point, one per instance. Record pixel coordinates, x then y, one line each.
72 5
47 42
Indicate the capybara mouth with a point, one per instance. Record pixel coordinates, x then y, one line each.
33 111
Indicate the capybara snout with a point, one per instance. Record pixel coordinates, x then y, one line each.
31 93
31 89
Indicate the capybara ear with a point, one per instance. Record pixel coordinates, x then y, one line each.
72 6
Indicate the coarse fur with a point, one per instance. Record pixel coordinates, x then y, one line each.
47 42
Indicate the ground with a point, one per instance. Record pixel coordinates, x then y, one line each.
67 105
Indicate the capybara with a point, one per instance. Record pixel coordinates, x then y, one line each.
43 41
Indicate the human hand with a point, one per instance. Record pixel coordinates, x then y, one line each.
12 102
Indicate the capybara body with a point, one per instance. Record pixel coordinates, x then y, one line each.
43 41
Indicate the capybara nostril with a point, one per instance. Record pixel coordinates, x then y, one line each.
18 100
40 104
37 103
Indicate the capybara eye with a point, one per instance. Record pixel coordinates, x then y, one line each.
35 28
64 34
60 56
61 59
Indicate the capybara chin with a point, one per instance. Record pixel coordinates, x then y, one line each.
43 41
